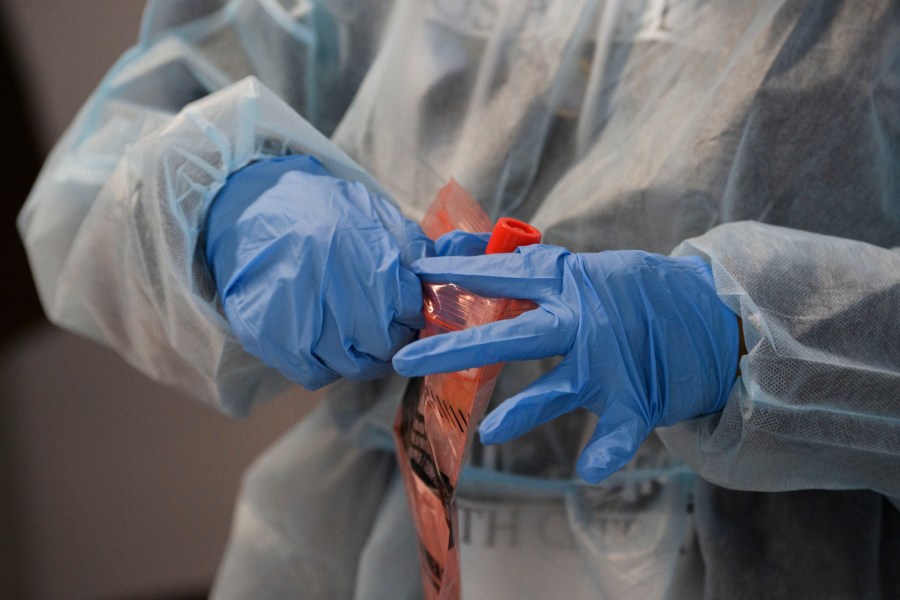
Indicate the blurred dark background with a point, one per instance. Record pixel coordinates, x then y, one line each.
20 159
111 486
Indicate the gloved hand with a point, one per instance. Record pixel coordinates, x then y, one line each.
645 339
312 270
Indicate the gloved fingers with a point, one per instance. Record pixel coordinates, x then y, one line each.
408 304
551 395
357 363
531 273
347 306
353 352
620 432
534 334
461 243
370 309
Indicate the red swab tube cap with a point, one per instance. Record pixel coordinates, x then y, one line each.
509 234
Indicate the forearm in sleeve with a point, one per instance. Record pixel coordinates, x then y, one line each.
817 402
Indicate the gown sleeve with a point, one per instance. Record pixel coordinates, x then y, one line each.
817 401
112 224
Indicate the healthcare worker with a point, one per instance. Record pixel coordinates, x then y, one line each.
736 346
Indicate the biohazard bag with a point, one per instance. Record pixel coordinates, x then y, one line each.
435 424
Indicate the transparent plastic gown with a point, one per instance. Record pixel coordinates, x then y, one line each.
762 136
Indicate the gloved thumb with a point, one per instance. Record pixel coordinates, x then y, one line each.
461 243
619 433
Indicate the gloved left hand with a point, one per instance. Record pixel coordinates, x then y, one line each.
645 340
313 271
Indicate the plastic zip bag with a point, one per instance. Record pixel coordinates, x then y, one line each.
433 431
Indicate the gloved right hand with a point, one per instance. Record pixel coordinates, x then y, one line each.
312 270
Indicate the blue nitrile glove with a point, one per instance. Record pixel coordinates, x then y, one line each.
462 243
312 270
646 342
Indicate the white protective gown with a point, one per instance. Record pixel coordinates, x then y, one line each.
763 136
